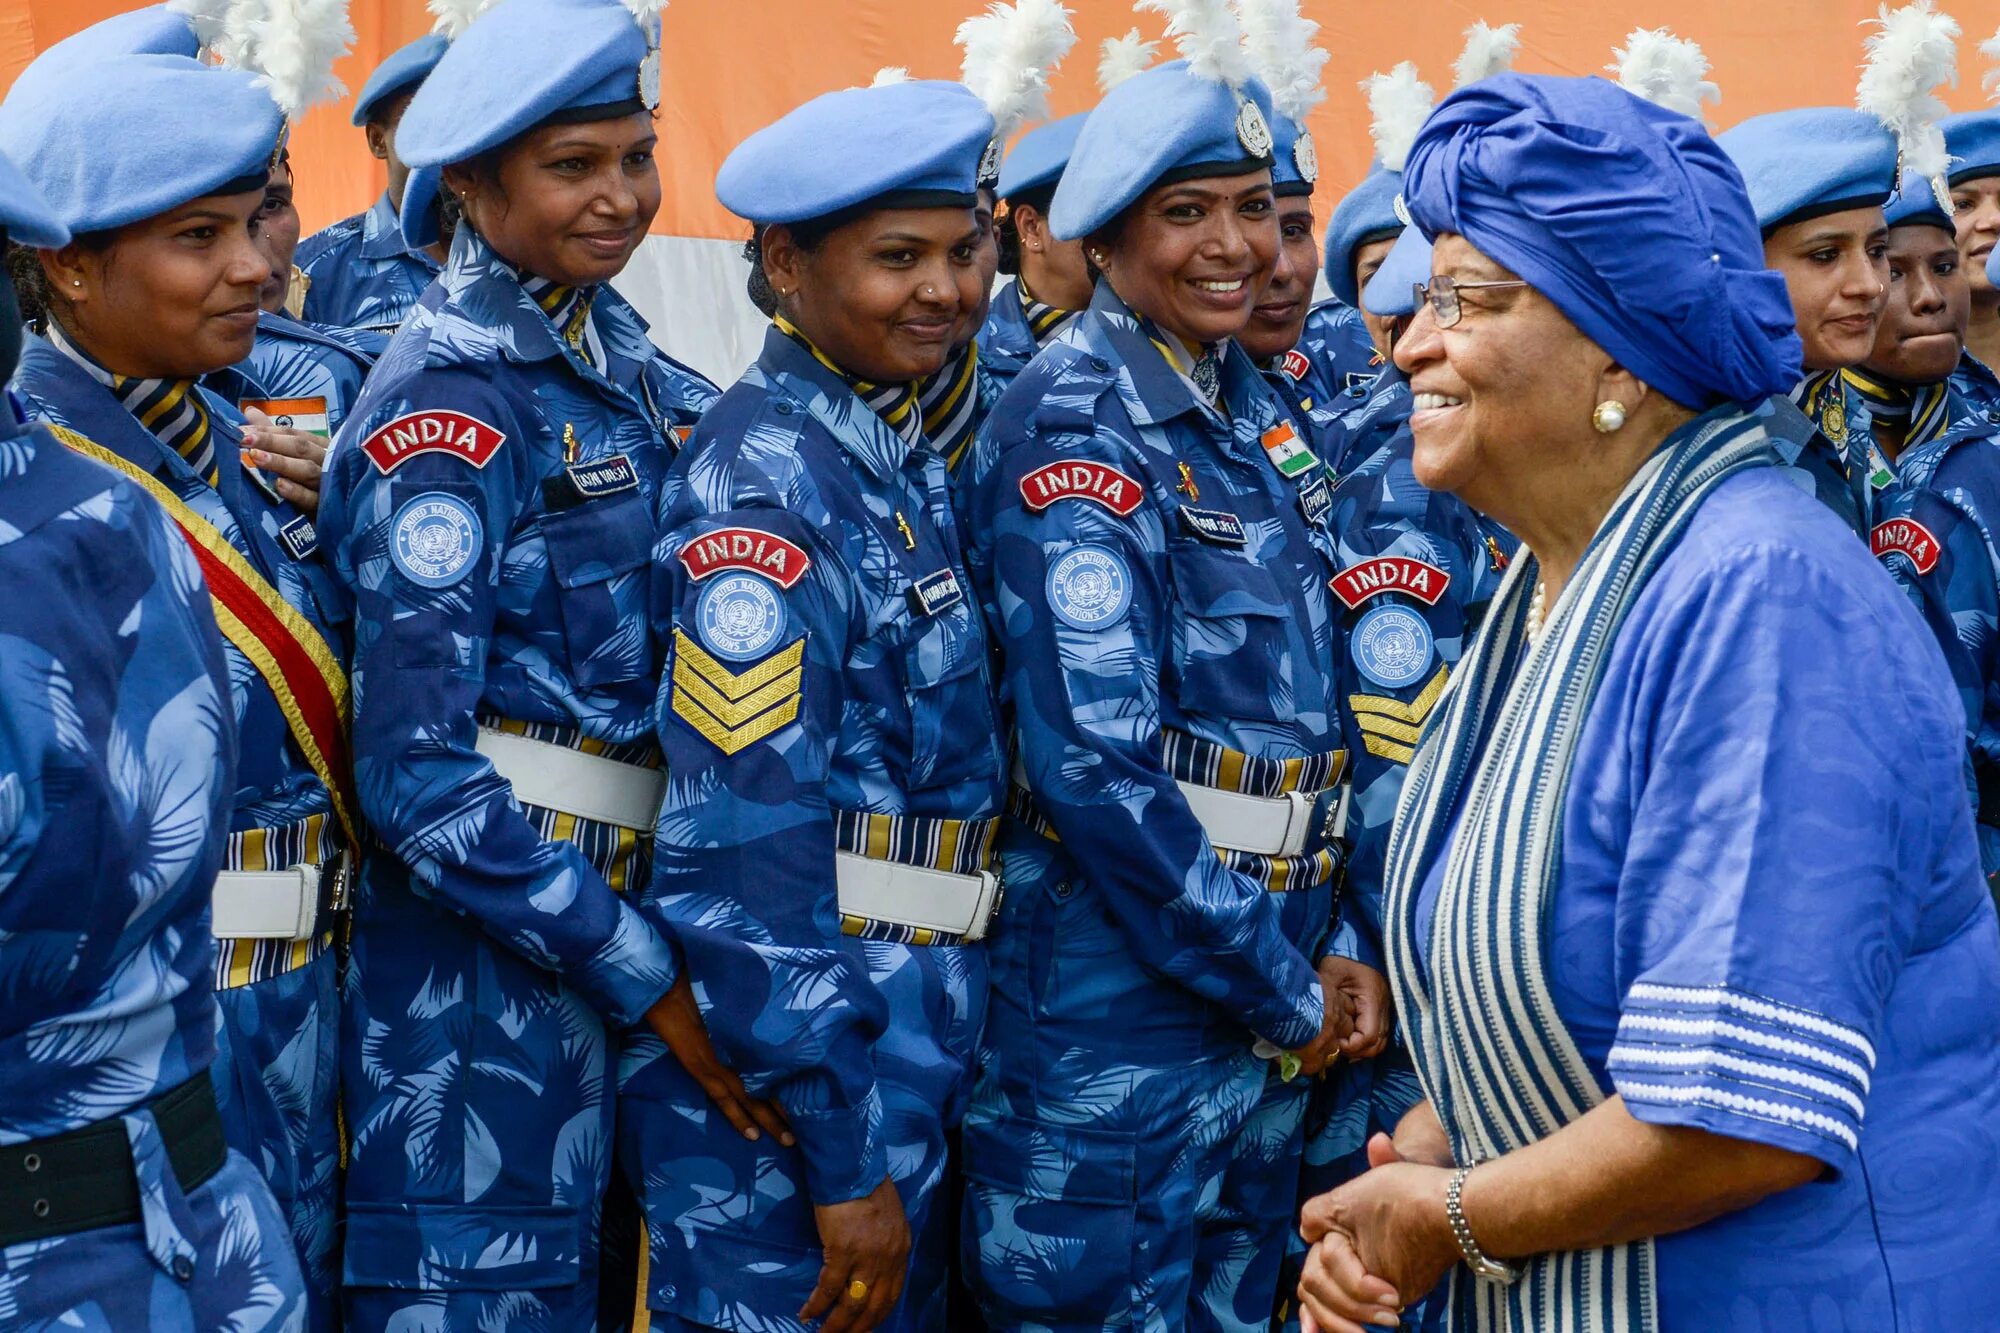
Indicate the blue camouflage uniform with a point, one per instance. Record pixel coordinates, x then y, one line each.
1159 596
1934 533
307 375
489 501
364 274
880 739
1305 388
1342 350
116 781
1821 432
1017 326
1976 383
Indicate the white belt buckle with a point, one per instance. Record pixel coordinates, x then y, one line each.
266 904
1298 823
309 879
985 906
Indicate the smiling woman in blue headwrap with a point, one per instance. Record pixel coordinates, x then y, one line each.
1692 952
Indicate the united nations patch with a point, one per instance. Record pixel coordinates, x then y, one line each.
739 617
1306 158
1252 131
1392 645
1090 587
434 538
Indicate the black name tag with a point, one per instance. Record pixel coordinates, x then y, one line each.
580 483
1213 525
935 592
299 537
1315 498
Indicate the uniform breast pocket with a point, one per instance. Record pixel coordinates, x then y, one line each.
599 553
953 735
1230 641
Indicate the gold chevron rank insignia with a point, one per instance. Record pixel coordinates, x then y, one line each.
1390 727
735 709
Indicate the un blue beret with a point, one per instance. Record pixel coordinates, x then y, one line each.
1812 161
1973 140
1164 123
25 214
1294 157
403 70
1626 216
1392 292
1368 213
921 141
519 65
139 136
1040 155
1918 207
152 31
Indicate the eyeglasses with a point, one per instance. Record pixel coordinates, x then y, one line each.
1442 295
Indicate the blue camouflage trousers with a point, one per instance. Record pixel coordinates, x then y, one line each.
479 1102
277 1087
215 1259
733 1243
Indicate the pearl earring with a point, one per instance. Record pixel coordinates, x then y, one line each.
76 282
1609 417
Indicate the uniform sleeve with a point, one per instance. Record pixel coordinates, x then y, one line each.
1080 612
1784 832
424 620
749 710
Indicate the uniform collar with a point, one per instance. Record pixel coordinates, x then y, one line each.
485 291
382 234
787 365
1152 390
68 392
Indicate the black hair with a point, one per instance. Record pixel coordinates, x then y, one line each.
37 298
808 235
1008 233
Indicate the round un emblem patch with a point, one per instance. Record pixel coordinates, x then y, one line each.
1090 587
433 538
739 617
1392 646
1252 131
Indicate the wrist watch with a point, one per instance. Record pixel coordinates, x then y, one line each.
1482 1266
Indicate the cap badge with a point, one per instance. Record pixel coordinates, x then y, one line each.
649 79
1251 131
989 163
1402 211
1306 158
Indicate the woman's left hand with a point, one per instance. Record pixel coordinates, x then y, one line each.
290 457
1387 1224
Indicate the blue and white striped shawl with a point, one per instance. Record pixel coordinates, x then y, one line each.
1491 1050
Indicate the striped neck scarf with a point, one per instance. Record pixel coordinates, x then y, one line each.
1494 1055
896 404
170 409
949 402
1044 321
1921 411
1201 368
568 309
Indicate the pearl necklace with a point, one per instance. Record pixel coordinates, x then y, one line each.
1538 611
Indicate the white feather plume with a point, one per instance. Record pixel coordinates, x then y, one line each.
208 18
1208 36
1279 42
1990 48
294 45
1666 70
642 10
455 16
1122 57
1914 52
1488 51
889 75
226 29
1010 52
1398 105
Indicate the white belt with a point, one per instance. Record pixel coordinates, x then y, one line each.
1259 825
902 895
589 786
266 904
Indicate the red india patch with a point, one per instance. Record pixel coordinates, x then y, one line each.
432 432
1906 536
1390 573
1296 364
1079 479
747 549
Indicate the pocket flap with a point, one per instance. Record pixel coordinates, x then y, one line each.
598 541
462 1247
1216 583
1052 1162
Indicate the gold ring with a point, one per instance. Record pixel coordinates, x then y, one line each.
857 1291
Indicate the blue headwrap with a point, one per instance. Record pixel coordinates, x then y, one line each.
1624 214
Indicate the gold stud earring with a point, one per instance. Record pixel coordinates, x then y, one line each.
1609 417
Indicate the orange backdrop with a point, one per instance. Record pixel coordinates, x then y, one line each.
733 65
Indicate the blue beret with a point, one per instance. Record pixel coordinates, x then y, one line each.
1813 161
1973 140
405 68
152 31
140 135
1040 155
25 214
1918 207
1391 292
1626 215
1368 213
920 141
1165 123
1294 157
519 65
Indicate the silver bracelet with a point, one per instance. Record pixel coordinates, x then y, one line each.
1492 1270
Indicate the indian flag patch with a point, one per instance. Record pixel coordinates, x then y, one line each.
306 414
1287 452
